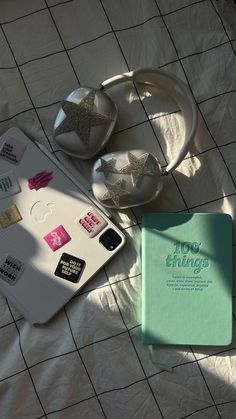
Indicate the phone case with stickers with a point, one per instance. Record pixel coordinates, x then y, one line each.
53 239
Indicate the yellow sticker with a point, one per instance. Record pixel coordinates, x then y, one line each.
10 216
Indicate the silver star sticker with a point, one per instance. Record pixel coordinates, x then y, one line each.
107 166
80 118
115 191
137 167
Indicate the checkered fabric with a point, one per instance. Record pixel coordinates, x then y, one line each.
89 362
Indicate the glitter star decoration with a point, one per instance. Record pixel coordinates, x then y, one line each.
137 167
107 166
115 191
81 117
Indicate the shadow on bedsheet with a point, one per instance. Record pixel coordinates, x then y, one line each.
164 136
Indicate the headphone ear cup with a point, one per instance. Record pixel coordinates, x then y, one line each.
85 122
126 179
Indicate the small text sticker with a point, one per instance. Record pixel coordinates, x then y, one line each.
8 185
11 270
91 222
12 150
70 268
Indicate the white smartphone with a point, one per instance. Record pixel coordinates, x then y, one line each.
53 238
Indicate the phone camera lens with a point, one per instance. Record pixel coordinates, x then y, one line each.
110 239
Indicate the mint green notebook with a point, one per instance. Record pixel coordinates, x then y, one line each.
187 279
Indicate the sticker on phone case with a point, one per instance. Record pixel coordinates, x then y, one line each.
8 185
70 268
57 238
12 150
9 216
91 222
11 270
40 180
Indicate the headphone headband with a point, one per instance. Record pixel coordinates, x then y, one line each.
177 89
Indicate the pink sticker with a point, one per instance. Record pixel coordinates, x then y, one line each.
91 222
57 238
40 180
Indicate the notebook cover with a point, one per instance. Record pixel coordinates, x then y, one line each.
187 279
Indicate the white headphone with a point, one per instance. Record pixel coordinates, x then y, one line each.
85 123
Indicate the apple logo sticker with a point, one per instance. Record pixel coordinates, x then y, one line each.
41 210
